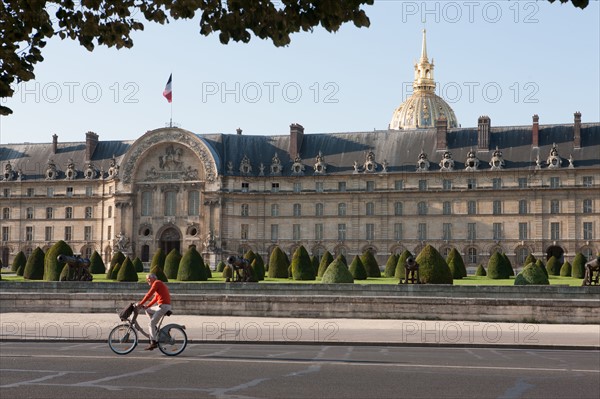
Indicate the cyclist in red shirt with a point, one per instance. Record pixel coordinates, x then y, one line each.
163 300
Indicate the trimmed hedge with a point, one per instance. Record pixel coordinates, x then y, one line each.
314 261
357 269
390 265
531 275
114 272
456 264
34 268
278 266
220 266
52 268
158 259
116 259
370 264
497 268
160 273
97 264
578 266
553 266
433 269
19 261
337 273
480 271
172 264
127 271
227 272
302 268
530 259
326 260
191 267
508 264
565 269
138 265
400 265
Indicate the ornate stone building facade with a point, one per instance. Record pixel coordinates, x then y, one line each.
518 190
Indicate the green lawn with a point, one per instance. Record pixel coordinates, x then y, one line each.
469 280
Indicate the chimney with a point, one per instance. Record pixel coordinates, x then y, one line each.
577 130
441 129
483 133
535 131
54 143
91 141
296 136
238 131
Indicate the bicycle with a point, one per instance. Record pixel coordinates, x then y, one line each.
123 339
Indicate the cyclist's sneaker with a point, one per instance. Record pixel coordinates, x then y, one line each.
153 345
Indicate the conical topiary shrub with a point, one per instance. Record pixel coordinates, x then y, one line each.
531 275
258 266
480 271
433 269
508 264
227 272
326 260
208 271
97 264
357 269
52 268
138 265
553 266
540 264
127 271
19 261
114 272
565 269
342 258
278 267
302 268
530 259
497 268
401 264
314 261
191 267
390 265
34 268
158 259
250 256
116 259
21 269
172 264
160 273
456 264
220 266
578 266
370 264
337 273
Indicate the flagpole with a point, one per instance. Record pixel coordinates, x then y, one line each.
171 118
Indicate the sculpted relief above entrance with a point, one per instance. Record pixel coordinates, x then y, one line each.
172 162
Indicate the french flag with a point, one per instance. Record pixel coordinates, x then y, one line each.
168 92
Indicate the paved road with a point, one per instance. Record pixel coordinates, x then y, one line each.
78 370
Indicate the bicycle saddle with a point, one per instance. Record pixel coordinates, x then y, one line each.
169 313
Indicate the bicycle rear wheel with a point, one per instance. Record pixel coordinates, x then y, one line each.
122 339
172 340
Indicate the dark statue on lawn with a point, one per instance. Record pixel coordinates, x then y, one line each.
592 272
78 268
242 272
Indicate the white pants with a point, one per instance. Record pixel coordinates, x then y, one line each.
155 313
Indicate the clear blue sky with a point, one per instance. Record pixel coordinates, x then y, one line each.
508 60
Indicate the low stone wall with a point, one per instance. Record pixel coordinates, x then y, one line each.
263 303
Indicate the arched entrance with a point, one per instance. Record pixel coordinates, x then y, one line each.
169 239
555 251
5 253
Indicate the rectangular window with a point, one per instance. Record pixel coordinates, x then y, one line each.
471 208
447 184
341 232
68 213
422 185
193 203
422 208
370 209
497 231
370 231
6 192
471 231
319 187
522 182
588 181
29 233
447 231
68 233
49 213
370 186
296 232
398 185
447 208
319 231
554 207
274 187
588 231
555 182
397 231
523 231
244 231
170 203
471 184
245 187
245 210
110 189
274 210
69 191
297 187
109 233
89 191
50 192
422 231
496 183
29 213
5 233
110 211
318 209
89 212
342 209
274 232
31 192
497 207
6 213
587 206
297 210
87 233
522 207
147 203
555 231
398 208
342 186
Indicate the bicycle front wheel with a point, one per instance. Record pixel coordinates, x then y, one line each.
122 339
172 340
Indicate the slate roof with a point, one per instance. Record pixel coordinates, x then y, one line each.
400 148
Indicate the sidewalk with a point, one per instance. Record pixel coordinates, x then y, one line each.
224 329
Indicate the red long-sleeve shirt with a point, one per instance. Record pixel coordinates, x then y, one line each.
160 292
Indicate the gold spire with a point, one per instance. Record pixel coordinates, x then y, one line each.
424 70
424 47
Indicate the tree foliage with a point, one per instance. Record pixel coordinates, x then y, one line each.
553 266
172 264
531 275
302 268
52 267
326 260
456 264
158 259
34 268
497 267
127 271
278 266
433 269
191 267
578 265
337 273
390 265
400 265
357 269
18 261
97 264
565 269
480 271
370 264
138 265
